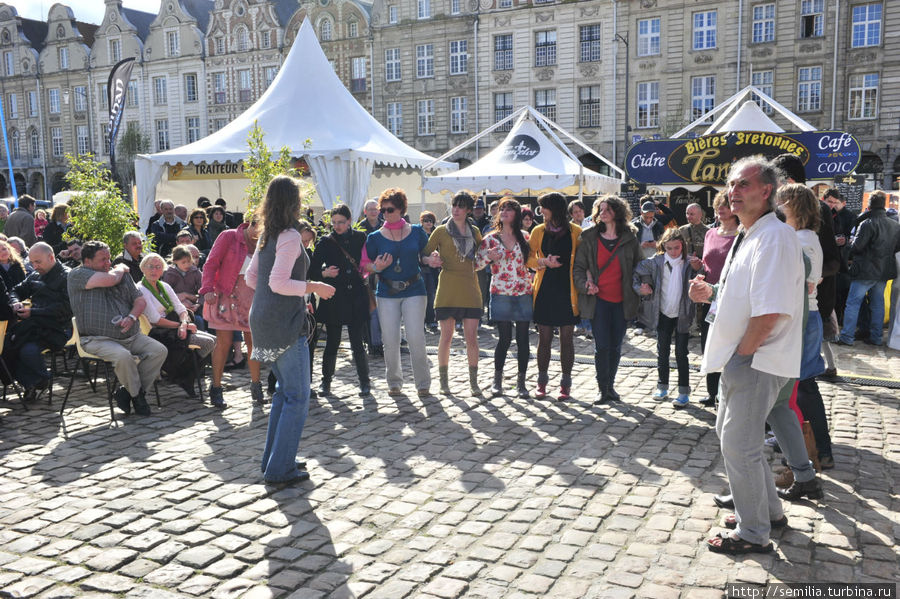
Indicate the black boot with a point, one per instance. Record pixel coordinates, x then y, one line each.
611 380
497 387
141 407
328 364
362 372
601 368
521 389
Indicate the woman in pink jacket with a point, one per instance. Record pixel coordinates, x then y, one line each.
227 300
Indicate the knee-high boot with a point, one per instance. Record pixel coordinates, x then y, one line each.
362 372
328 364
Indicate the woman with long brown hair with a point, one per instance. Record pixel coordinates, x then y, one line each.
505 251
280 327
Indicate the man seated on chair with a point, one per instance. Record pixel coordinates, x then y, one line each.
107 305
45 324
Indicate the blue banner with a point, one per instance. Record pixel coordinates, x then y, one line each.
706 160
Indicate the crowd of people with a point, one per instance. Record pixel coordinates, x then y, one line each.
776 278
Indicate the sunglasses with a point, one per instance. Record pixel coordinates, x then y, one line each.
389 210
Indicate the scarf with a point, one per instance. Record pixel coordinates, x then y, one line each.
463 240
160 295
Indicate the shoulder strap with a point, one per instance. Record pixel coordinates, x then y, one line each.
611 256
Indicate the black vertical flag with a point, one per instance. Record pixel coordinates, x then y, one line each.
116 89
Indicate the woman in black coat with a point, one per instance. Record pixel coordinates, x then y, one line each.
336 261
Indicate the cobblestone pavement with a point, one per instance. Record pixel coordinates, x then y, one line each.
440 497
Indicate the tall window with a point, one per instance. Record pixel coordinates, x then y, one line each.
172 43
10 63
503 52
590 43
458 113
544 48
190 87
244 86
765 81
266 39
648 104
56 141
393 14
80 94
424 60
454 7
863 96
503 107
589 106
32 104
395 118
192 127
115 50
648 37
545 102
160 91
218 124
392 64
81 136
132 99
505 4
866 25
220 46
104 96
423 9
358 74
218 88
705 30
63 58
243 39
12 106
104 132
270 73
53 100
459 57
162 135
703 95
352 29
812 18
763 23
325 30
35 140
14 148
809 89
425 116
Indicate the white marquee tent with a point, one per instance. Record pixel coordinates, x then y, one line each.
307 109
526 160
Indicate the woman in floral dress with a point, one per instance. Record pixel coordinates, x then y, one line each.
505 251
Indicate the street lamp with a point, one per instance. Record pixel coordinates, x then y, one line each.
624 39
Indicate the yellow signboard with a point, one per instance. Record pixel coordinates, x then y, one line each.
190 172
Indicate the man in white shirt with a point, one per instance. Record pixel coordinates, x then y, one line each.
755 341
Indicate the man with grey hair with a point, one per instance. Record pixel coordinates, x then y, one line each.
755 341
181 212
46 323
132 254
166 228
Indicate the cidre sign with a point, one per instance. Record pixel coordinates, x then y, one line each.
706 160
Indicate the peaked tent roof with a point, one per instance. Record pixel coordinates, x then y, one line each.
525 159
306 101
750 117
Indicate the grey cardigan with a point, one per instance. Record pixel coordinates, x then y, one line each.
629 254
276 321
650 271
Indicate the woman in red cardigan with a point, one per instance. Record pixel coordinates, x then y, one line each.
604 264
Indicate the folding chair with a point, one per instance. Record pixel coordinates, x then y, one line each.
53 355
8 375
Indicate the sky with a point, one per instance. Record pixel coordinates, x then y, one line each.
87 11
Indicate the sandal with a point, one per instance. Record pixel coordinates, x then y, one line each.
725 543
731 522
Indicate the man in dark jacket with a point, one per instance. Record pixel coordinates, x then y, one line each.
132 254
843 221
872 251
166 229
21 222
45 324
651 224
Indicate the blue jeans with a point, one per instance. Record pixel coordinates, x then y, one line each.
665 328
608 325
30 366
858 291
290 404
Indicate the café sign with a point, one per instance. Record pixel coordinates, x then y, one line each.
221 170
706 160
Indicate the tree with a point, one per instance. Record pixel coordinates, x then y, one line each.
134 141
98 211
260 168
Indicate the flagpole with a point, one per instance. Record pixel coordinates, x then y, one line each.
12 178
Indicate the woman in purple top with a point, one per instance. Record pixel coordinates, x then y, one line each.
716 246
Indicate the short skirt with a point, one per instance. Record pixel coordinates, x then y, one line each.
457 313
511 308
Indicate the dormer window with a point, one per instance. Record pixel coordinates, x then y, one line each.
325 30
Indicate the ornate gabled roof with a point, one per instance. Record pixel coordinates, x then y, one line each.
141 21
200 10
36 32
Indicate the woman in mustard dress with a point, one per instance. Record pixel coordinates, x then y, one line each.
452 248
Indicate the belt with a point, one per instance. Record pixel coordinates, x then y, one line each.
395 287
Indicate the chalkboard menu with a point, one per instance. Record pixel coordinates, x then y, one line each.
851 188
631 194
